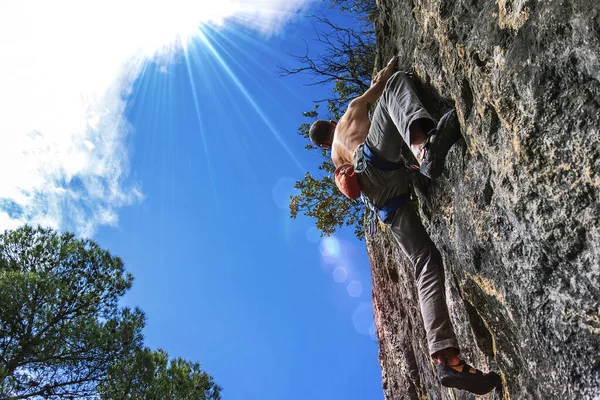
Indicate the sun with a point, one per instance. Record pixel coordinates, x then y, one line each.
165 23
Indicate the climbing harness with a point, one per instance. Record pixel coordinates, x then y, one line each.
385 213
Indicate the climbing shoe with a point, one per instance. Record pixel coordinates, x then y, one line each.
438 143
478 382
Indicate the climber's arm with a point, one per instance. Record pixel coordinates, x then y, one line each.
378 84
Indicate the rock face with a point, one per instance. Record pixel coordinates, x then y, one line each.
516 213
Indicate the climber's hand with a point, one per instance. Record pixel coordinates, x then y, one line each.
386 72
392 63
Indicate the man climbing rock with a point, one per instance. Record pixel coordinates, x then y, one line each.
367 157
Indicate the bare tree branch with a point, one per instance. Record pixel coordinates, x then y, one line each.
347 59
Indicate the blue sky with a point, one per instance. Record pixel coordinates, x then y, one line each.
195 202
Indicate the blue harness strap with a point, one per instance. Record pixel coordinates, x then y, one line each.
379 162
386 212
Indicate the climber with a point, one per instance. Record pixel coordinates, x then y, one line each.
367 157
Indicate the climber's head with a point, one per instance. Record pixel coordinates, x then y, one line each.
321 133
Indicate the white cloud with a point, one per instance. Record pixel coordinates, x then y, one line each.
267 16
66 67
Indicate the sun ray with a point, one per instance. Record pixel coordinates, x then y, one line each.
251 101
211 178
243 40
247 57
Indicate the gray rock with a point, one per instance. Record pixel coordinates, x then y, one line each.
516 213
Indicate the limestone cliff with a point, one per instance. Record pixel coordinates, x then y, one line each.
516 214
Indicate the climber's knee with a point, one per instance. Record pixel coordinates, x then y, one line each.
397 79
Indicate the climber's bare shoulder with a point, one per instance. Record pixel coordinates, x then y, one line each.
337 160
351 131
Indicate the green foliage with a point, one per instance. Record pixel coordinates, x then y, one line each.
346 64
151 376
321 199
60 324
61 327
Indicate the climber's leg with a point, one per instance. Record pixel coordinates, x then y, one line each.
401 102
429 275
400 111
398 118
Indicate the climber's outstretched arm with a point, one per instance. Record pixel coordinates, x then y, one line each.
378 83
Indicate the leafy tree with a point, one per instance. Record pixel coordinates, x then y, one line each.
63 334
151 376
60 324
346 65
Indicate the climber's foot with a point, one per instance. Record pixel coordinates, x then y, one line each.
438 144
463 376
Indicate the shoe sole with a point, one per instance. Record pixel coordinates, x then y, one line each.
478 384
471 387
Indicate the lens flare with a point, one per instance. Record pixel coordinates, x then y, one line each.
330 249
373 332
362 318
354 289
340 274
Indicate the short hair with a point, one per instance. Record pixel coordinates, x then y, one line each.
319 132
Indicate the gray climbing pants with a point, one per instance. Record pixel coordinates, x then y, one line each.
398 108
